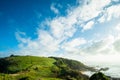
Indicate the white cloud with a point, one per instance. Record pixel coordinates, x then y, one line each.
73 45
48 42
104 46
88 11
89 25
21 37
117 45
57 27
54 9
112 59
103 51
102 19
117 27
44 44
113 12
110 13
63 28
76 42
91 10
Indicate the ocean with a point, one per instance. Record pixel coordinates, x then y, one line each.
113 71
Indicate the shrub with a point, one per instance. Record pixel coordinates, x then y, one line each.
27 78
99 76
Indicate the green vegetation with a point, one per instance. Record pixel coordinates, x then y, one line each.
41 68
72 64
99 76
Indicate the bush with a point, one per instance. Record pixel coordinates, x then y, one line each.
27 78
69 74
99 76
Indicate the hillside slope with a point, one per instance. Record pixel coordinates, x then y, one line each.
41 68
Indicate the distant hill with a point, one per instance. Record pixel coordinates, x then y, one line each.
41 68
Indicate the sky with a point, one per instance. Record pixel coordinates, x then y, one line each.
85 30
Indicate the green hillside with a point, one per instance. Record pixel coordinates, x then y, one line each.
41 68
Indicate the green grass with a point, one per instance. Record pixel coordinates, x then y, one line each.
35 68
21 63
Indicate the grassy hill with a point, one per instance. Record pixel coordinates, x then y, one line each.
41 68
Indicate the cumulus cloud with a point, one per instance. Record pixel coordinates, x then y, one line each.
103 51
61 35
92 8
44 44
62 27
110 13
73 45
113 12
103 46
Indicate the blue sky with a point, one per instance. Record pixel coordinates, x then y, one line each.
65 28
25 16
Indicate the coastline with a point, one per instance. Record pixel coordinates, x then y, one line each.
113 71
89 73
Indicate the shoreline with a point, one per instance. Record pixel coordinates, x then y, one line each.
89 73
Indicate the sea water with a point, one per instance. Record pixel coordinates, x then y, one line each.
113 71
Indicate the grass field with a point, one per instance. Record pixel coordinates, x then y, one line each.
41 68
